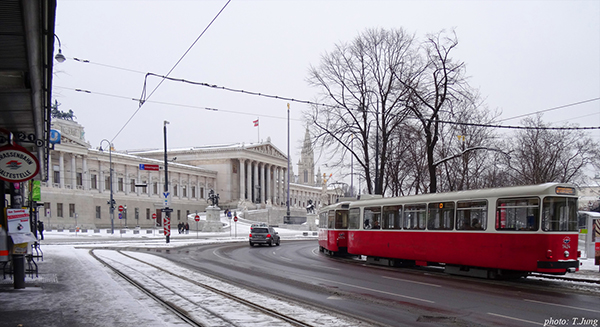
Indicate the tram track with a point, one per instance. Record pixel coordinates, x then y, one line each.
186 296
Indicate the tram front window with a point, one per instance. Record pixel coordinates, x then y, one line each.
559 214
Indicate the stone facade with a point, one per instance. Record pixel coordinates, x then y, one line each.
246 177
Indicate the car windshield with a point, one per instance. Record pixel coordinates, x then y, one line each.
260 230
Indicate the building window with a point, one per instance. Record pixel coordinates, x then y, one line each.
137 214
306 176
193 192
72 210
145 189
59 210
93 182
155 187
79 179
107 183
56 176
202 192
98 212
178 214
132 185
147 213
120 184
184 191
175 190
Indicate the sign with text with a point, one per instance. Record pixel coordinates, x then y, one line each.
18 221
17 164
597 261
149 167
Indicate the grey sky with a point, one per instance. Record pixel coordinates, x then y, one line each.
524 56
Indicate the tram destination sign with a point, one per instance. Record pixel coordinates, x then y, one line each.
17 164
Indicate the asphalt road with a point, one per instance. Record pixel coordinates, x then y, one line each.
393 296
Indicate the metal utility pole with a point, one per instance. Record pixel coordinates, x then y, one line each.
110 178
167 210
288 163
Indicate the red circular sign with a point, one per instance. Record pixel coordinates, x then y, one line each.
153 216
17 164
197 218
235 219
121 208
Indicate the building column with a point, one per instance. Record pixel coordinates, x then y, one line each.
255 182
262 183
138 180
85 174
101 186
73 172
268 183
61 165
242 179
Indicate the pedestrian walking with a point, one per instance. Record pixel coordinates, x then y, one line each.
187 228
41 229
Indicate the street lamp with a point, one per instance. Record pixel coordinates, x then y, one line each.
112 201
59 56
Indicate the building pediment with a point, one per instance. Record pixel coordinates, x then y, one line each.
267 149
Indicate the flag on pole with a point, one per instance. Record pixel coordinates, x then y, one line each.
256 123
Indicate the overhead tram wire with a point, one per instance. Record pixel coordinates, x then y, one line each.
145 98
310 103
551 109
253 114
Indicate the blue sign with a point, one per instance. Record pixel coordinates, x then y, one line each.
120 216
229 214
54 136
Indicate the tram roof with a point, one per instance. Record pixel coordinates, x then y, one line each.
527 190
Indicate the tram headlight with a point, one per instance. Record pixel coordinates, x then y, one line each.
566 254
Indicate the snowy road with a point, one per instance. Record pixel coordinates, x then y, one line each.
211 302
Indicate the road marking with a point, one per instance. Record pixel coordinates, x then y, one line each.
411 281
561 305
374 290
326 267
517 319
284 258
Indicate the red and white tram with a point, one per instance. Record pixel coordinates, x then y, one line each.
485 233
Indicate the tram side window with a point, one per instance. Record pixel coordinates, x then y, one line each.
441 216
471 215
520 214
415 216
331 219
341 219
372 218
392 217
559 214
354 218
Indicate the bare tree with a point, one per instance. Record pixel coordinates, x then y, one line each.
541 155
437 87
360 82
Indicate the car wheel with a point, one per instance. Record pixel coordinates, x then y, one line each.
270 243
251 244
279 240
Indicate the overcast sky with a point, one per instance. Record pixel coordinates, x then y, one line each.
523 56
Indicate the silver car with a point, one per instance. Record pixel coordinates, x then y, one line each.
263 234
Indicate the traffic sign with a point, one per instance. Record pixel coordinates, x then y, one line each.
166 210
149 167
120 216
235 219
121 208
197 218
153 216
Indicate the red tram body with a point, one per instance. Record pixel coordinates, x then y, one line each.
484 233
